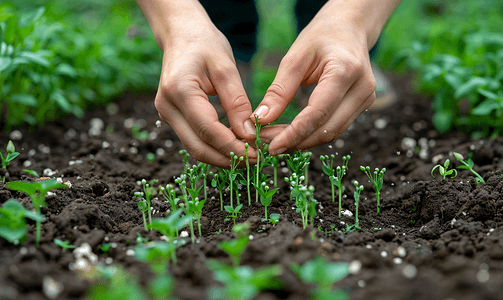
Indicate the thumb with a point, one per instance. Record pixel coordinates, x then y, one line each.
280 93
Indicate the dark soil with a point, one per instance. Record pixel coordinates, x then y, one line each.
434 238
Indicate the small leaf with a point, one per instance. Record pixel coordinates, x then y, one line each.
5 63
35 57
30 18
25 99
62 102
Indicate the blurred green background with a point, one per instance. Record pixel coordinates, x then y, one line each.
59 57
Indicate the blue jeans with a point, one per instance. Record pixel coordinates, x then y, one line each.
238 21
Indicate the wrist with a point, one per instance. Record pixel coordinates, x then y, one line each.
171 18
366 16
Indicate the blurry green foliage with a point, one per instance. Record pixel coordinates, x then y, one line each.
456 51
60 57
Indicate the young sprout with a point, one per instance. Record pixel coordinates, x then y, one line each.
31 172
275 165
235 160
185 157
169 194
196 209
235 248
13 221
233 212
298 163
11 154
274 219
468 165
147 191
265 196
259 153
357 193
37 192
377 181
150 157
220 181
335 175
444 170
142 206
64 244
247 173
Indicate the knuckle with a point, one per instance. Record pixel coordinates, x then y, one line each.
198 154
223 70
277 89
241 104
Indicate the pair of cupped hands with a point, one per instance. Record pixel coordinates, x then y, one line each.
198 61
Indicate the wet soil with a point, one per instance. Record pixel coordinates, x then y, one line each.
434 238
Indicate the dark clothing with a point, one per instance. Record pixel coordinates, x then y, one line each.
238 21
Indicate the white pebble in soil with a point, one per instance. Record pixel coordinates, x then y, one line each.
158 123
381 123
362 283
483 276
354 267
397 260
51 287
409 271
384 254
347 213
16 135
168 143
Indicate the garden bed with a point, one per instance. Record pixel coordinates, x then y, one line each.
434 238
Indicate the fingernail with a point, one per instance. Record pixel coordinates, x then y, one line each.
262 111
280 151
249 128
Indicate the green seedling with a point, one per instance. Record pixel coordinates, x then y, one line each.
332 229
139 134
10 156
274 219
350 228
115 284
259 154
220 182
31 172
169 194
235 248
233 212
235 160
242 282
219 231
64 244
169 227
265 196
275 164
247 173
298 163
185 157
142 206
13 221
323 274
444 170
335 175
196 210
105 247
303 197
140 239
150 157
147 190
37 192
377 181
468 165
358 190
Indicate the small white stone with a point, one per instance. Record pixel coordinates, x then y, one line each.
48 172
384 254
401 251
105 144
51 287
27 163
109 260
397 260
361 283
342 223
130 252
50 195
158 123
355 267
409 271
32 152
483 276
250 237
368 246
184 234
23 250
168 143
16 135
347 213
59 180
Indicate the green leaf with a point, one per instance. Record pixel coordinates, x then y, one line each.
5 63
442 121
61 101
12 234
469 86
487 94
35 57
25 99
30 18
66 69
485 108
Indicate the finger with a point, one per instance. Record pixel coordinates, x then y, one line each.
337 124
282 90
230 90
198 147
332 87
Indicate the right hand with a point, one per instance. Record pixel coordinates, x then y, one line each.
197 62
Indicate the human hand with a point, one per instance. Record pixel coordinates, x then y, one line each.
197 62
333 52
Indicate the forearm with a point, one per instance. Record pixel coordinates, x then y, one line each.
166 17
368 15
